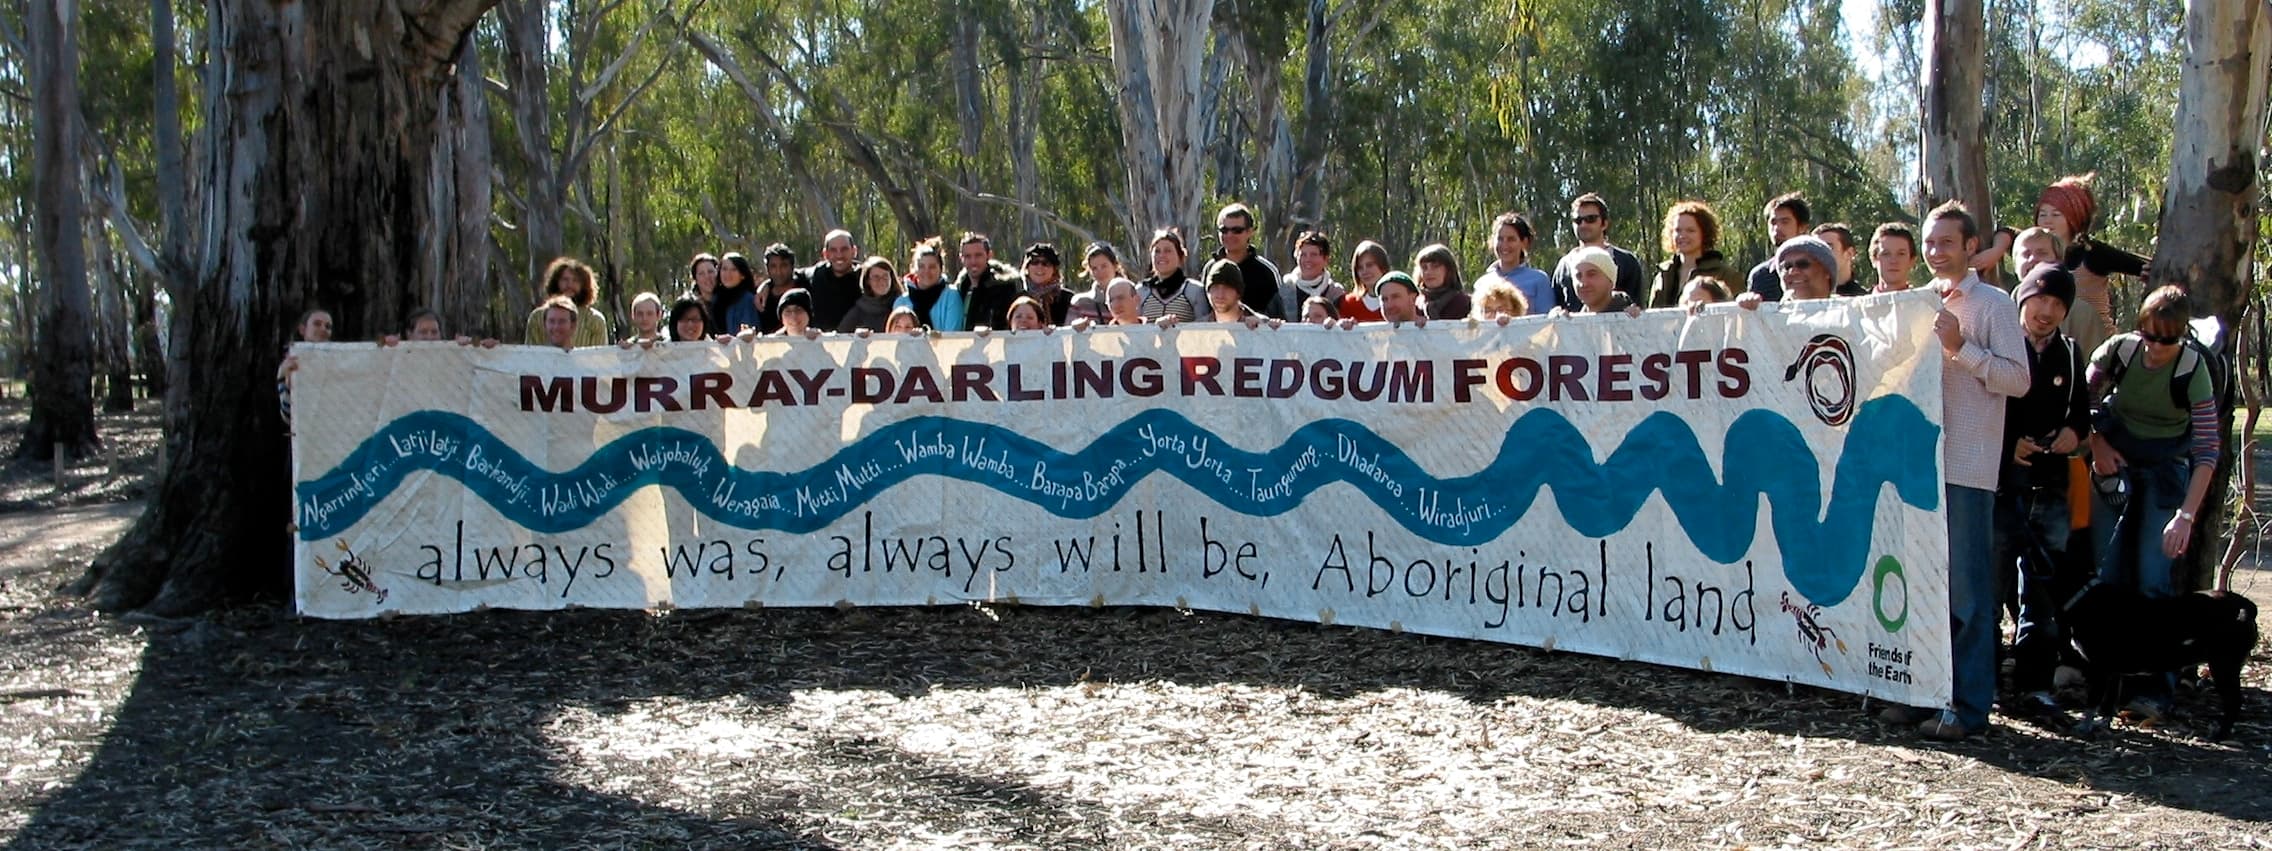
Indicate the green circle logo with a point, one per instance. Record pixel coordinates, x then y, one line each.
1889 568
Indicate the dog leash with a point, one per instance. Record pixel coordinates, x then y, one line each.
2071 601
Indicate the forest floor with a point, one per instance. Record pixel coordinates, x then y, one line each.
997 726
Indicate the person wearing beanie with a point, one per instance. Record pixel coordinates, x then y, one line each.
1045 283
1589 222
1594 283
1400 298
1226 283
2041 430
796 312
1804 265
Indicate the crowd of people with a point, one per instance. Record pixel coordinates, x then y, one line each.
2062 434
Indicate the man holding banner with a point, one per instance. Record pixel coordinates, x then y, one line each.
1986 365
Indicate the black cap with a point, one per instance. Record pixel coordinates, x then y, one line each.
799 297
2047 279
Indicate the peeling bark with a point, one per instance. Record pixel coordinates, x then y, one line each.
1156 48
1954 153
2208 218
63 351
320 126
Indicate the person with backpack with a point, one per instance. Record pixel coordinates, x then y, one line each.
2155 427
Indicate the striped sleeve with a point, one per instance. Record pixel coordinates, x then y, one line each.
2205 443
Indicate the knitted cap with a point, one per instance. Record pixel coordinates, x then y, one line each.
1813 248
799 297
1224 273
1597 257
2049 280
1399 279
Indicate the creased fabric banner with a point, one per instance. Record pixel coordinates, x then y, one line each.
1754 493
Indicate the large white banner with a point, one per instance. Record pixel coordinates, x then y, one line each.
1755 493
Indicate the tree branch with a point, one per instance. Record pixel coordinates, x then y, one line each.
583 149
608 74
1046 214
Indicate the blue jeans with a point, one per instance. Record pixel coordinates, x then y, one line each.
1972 604
2026 517
2133 557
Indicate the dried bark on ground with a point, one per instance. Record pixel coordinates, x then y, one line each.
1009 727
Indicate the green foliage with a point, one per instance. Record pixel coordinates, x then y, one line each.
1442 115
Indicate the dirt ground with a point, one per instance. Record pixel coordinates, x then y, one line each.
1009 727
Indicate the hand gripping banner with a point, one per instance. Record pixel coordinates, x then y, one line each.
1754 493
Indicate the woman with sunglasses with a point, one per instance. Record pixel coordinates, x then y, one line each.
2156 428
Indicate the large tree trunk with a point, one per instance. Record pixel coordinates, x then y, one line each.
542 219
455 263
1025 126
1273 139
970 118
110 306
323 122
1953 157
1318 99
1156 48
63 353
2208 217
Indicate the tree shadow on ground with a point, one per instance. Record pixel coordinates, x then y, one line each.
256 729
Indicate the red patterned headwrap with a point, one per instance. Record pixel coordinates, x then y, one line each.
2072 198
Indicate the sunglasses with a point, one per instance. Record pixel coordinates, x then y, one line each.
2170 340
1796 265
1233 229
1586 219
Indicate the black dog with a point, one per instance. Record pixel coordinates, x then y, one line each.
2117 631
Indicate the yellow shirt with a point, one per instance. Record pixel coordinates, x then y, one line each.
591 329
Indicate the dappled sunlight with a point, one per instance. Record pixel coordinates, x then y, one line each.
1400 766
59 699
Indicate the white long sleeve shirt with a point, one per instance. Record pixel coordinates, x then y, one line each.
1978 380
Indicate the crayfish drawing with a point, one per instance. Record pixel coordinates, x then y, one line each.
1812 633
353 573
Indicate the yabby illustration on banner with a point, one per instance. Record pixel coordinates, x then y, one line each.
1754 493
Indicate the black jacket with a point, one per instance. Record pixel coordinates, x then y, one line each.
2055 399
833 294
986 298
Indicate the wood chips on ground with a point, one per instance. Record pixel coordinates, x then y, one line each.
1008 727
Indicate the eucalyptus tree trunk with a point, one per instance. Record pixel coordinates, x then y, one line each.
110 308
63 350
1156 48
543 206
970 118
1318 101
1025 125
320 128
1953 156
2209 216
